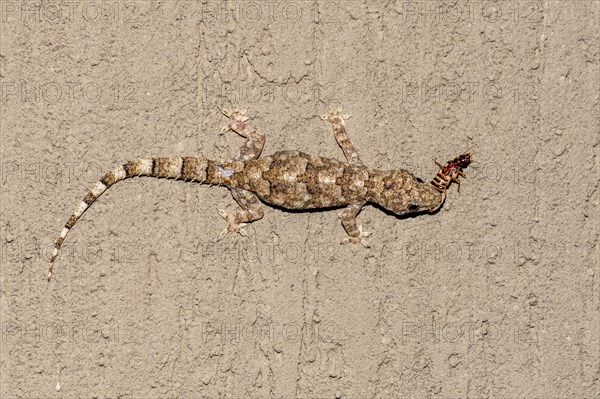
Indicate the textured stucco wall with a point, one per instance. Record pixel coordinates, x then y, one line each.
497 295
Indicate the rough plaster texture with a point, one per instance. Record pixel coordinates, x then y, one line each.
494 296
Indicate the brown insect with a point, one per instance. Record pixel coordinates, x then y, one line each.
450 172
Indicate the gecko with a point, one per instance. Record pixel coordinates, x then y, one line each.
290 180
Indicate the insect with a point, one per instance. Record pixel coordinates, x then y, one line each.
288 179
450 172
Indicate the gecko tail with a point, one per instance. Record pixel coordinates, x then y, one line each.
181 168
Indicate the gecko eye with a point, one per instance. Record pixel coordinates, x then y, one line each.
419 180
413 207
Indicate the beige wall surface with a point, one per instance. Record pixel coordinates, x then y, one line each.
494 296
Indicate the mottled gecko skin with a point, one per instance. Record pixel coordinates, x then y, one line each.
295 180
288 179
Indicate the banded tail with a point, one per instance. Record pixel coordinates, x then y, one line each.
194 169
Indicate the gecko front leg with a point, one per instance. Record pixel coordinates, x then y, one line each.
341 136
251 211
355 232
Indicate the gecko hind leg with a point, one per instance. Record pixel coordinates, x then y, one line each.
355 232
255 138
251 211
341 136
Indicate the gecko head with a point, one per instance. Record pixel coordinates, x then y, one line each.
403 193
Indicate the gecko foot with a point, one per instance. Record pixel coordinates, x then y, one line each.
359 239
233 226
335 117
236 119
